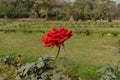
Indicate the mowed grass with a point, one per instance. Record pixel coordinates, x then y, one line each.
88 53
79 48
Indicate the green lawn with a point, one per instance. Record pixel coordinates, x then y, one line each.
85 51
88 53
78 47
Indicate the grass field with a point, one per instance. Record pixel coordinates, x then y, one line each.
88 53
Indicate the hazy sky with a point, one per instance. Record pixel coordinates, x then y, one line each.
118 1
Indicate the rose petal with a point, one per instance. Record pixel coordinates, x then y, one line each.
62 28
44 39
63 39
59 44
49 44
56 37
69 32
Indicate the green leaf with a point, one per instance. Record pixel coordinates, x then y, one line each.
40 63
114 76
17 78
56 76
28 66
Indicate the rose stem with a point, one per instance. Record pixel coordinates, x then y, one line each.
58 52
63 46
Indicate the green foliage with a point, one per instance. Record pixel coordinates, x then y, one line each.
87 32
43 69
6 8
87 12
10 61
79 9
115 34
109 72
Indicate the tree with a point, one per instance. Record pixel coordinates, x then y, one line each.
87 11
7 8
44 7
79 9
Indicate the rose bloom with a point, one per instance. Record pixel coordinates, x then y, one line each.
56 37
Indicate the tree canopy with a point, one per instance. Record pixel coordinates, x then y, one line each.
59 9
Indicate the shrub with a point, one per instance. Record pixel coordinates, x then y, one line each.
43 69
87 32
109 72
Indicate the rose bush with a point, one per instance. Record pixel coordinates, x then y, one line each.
56 37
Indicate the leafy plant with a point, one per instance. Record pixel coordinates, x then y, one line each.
109 72
7 60
115 34
43 69
87 32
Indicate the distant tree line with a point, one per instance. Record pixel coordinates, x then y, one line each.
59 9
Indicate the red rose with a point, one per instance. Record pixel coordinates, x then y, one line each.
56 37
